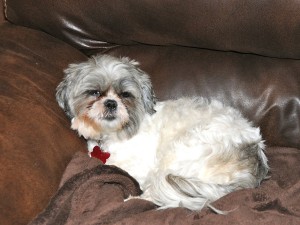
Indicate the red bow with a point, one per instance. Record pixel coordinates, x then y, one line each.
100 154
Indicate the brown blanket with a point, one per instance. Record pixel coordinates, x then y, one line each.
91 193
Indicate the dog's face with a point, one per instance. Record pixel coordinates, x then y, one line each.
106 95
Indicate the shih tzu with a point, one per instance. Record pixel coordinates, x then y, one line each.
187 152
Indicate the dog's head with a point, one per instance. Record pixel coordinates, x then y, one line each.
106 95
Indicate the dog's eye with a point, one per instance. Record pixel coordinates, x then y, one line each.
95 93
126 94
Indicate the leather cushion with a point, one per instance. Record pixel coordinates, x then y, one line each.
36 141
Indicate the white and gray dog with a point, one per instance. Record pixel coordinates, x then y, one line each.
187 152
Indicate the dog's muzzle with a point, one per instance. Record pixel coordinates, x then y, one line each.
111 107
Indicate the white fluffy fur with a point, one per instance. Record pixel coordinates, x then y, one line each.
186 140
189 153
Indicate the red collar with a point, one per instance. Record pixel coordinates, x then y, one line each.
100 154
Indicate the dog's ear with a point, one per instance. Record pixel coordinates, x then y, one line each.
63 91
61 97
148 96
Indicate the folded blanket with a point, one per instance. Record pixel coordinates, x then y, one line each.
92 193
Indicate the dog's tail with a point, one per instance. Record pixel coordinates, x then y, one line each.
190 193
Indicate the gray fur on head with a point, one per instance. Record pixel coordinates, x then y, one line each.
102 72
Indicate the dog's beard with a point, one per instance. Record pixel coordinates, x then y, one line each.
94 120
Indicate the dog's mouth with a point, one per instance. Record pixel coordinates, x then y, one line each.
109 115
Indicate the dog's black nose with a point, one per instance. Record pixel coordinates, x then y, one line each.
111 104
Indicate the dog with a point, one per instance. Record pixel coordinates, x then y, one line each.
186 152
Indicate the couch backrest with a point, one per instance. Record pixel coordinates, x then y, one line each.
269 27
265 89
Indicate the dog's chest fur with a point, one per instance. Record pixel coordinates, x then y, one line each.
137 156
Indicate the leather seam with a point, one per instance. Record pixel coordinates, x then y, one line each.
5 9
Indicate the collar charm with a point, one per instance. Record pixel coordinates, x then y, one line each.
100 154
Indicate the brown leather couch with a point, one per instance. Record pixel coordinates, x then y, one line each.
244 53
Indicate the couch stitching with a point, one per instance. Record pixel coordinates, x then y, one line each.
5 8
